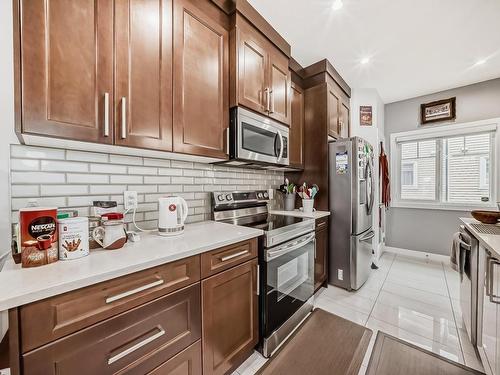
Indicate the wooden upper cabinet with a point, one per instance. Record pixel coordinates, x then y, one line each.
67 69
230 318
297 127
252 72
260 79
143 67
201 78
279 85
333 103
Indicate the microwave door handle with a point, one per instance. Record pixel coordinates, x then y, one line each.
281 145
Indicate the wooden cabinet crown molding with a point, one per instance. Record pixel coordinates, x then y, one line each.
319 72
244 8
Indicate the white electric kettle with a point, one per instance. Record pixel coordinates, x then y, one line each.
172 214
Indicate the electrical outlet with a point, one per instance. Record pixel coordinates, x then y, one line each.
340 274
130 200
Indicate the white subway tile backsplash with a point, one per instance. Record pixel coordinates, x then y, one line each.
63 166
25 164
87 156
21 151
74 179
80 178
107 189
25 190
126 179
108 168
37 178
127 160
156 180
61 190
143 170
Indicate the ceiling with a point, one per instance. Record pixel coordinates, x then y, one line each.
415 47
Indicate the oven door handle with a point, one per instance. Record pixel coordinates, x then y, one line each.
282 250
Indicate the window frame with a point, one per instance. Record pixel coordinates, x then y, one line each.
438 132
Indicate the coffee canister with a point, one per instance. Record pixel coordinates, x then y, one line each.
73 238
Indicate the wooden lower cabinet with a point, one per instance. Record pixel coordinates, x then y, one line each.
321 256
187 362
135 342
230 317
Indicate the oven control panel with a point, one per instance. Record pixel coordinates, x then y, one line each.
233 198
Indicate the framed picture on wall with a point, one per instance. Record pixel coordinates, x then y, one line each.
366 115
441 110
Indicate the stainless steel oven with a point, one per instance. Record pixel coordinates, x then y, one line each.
287 287
254 138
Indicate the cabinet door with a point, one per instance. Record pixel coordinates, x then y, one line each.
297 127
344 123
143 87
252 70
201 79
333 112
67 69
230 317
187 362
279 86
321 255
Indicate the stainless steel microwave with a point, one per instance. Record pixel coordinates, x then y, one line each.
256 139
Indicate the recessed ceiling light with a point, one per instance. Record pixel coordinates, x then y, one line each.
365 61
480 62
337 4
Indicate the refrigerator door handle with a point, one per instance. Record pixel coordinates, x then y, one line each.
369 236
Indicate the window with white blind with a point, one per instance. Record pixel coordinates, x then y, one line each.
445 168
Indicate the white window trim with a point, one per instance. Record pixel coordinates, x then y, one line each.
445 131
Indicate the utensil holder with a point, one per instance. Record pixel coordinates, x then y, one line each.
289 202
308 206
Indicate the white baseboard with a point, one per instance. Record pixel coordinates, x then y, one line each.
417 254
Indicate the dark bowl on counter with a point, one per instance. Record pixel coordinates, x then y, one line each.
486 217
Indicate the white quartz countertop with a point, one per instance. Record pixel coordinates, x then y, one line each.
489 241
298 213
19 286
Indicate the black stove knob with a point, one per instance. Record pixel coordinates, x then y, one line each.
266 195
229 197
259 195
220 197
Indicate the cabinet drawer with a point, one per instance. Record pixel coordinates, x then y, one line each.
322 223
187 362
226 257
137 341
53 318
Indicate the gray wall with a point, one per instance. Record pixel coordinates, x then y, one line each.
431 230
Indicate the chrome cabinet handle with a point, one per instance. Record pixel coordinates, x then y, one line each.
124 118
232 256
258 280
493 297
267 98
134 291
137 346
271 97
106 114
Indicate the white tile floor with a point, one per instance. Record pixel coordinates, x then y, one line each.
413 297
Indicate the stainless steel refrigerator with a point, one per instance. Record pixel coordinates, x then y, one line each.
351 197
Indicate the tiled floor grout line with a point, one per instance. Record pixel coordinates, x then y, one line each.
380 290
453 312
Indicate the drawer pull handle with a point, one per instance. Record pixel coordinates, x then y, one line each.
137 346
232 256
134 291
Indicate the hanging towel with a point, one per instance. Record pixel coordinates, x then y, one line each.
384 177
455 253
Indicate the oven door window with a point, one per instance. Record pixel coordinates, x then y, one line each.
259 140
290 283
